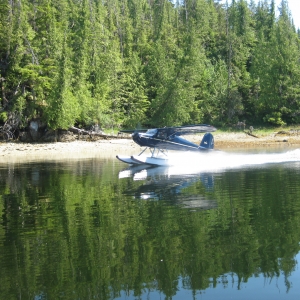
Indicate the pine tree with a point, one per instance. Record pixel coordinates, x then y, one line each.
240 41
80 40
276 71
5 42
63 108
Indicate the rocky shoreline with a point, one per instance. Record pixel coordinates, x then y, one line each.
109 146
245 140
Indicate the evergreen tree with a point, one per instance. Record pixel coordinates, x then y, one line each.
104 60
276 71
80 39
5 42
133 93
63 108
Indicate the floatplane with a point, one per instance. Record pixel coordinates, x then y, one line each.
160 140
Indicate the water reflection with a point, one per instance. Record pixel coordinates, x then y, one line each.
89 229
170 183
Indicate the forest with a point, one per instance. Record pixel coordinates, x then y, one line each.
125 63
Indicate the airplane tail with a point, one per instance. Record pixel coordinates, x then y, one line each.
207 142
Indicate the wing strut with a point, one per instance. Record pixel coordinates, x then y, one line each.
143 151
152 150
157 152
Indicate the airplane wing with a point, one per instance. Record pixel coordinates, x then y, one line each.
133 130
191 129
179 130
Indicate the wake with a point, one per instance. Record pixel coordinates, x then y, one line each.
191 163
222 160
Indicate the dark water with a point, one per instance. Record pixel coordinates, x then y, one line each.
89 229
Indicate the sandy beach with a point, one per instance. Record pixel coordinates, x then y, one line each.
107 148
22 152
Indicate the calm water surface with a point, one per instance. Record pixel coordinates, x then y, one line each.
92 229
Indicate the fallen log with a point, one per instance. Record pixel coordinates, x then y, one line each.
96 133
249 133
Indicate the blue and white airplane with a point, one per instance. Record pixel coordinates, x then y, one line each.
160 140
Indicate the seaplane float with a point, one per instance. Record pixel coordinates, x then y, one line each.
160 140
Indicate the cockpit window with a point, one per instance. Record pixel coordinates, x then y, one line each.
151 132
162 134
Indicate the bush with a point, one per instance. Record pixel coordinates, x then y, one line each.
274 119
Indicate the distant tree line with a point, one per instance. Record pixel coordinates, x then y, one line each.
119 63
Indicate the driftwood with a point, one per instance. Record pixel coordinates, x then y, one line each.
283 133
91 133
249 133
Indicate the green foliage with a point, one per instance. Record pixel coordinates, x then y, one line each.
120 63
62 108
134 100
276 69
3 116
275 119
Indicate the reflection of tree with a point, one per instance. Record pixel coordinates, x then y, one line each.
70 230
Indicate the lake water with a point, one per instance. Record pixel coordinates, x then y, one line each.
225 226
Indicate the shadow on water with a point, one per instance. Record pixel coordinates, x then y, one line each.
90 229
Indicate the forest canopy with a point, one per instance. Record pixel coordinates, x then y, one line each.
119 63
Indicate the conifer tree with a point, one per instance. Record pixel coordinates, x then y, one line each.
103 61
80 40
276 71
63 108
5 44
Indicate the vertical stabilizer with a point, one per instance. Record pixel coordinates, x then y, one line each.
207 142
